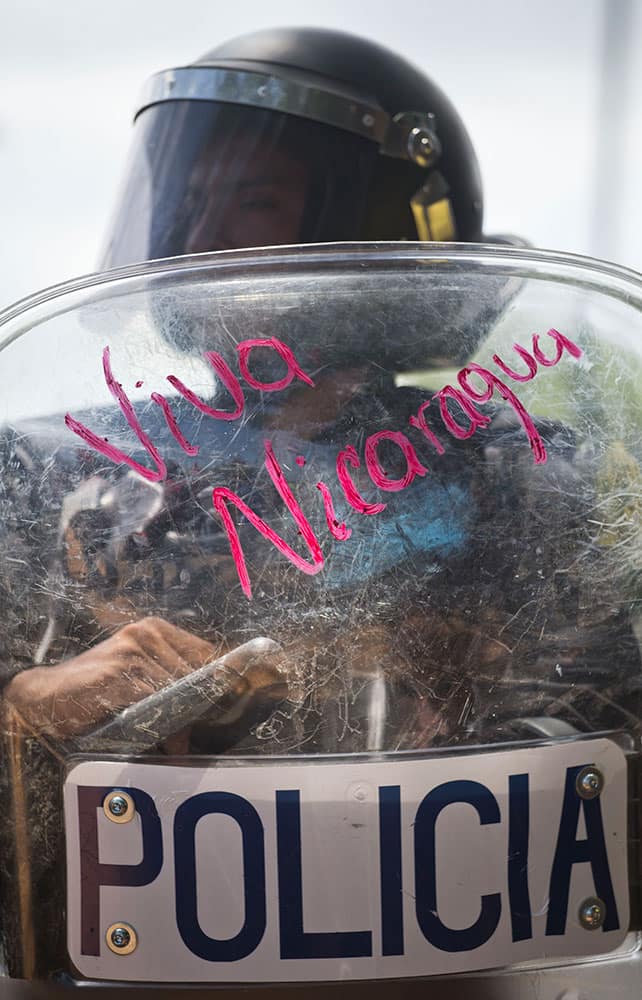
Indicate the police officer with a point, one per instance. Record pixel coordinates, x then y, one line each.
277 137
284 136
291 137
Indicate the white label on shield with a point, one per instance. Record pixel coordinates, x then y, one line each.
295 871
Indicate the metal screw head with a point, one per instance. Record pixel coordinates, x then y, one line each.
119 807
592 913
121 939
423 146
589 782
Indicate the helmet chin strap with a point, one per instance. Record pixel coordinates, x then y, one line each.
432 211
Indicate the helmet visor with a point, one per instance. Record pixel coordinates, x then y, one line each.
213 176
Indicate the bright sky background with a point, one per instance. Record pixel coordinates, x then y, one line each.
551 93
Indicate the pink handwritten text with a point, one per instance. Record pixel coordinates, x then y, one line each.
475 385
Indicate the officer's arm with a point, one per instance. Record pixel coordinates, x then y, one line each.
78 694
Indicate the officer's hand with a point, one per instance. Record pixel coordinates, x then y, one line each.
76 695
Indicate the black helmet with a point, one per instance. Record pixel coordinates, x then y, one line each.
294 136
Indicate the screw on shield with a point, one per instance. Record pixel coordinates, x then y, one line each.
119 807
121 939
592 913
589 782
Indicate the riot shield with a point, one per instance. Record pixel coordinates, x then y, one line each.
320 577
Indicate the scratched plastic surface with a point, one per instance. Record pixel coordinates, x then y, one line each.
409 479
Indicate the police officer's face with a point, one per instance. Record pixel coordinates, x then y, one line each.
238 202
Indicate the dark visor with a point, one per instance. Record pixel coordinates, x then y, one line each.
212 176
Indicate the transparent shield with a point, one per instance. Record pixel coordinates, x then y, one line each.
380 503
